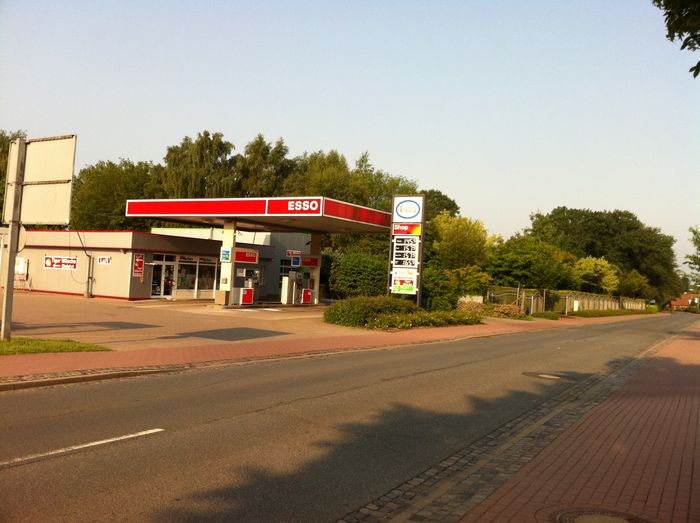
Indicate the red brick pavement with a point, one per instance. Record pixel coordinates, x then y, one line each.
638 453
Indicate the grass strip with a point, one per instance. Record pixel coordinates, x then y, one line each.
32 346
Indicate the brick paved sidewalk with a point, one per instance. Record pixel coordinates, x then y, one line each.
637 453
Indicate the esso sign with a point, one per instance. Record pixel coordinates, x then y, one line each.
302 205
285 206
408 209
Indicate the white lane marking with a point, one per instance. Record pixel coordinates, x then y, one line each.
78 447
549 376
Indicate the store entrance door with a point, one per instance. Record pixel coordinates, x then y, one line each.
163 280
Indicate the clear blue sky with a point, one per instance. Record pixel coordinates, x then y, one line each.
509 107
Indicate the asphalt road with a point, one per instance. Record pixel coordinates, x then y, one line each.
306 439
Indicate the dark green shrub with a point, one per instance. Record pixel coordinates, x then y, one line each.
358 273
442 288
547 315
358 311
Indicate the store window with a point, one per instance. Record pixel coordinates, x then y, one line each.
186 276
207 276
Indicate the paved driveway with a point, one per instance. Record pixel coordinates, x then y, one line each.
124 326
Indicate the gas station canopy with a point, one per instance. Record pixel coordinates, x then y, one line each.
303 213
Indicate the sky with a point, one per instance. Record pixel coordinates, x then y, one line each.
508 107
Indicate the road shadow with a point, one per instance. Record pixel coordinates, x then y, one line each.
230 334
366 459
77 326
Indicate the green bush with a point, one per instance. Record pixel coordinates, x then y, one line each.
358 273
652 308
442 288
422 319
547 315
601 314
358 311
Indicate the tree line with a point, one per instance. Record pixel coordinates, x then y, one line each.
609 252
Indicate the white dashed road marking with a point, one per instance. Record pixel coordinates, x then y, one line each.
65 450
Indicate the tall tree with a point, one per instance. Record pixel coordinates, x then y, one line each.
263 168
596 275
378 187
328 174
634 285
200 168
457 241
530 262
619 237
693 260
437 202
100 192
683 23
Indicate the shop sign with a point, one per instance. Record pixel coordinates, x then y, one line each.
139 262
69 263
404 281
296 261
104 260
225 256
309 261
246 256
412 229
203 259
293 252
188 259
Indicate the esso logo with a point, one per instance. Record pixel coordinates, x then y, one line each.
302 205
407 209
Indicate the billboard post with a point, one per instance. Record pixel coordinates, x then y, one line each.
38 192
13 202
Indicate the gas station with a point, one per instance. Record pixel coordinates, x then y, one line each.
316 215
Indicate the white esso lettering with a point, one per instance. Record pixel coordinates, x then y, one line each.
306 205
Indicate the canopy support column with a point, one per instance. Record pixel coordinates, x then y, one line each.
225 294
315 250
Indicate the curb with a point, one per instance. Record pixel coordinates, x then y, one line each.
29 384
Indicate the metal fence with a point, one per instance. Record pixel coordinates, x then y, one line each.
534 300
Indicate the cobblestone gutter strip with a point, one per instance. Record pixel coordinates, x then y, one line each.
449 490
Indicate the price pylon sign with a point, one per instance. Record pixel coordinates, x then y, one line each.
408 224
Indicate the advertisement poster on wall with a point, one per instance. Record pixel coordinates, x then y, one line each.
139 262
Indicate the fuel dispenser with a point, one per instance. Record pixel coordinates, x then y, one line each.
297 288
246 283
292 286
